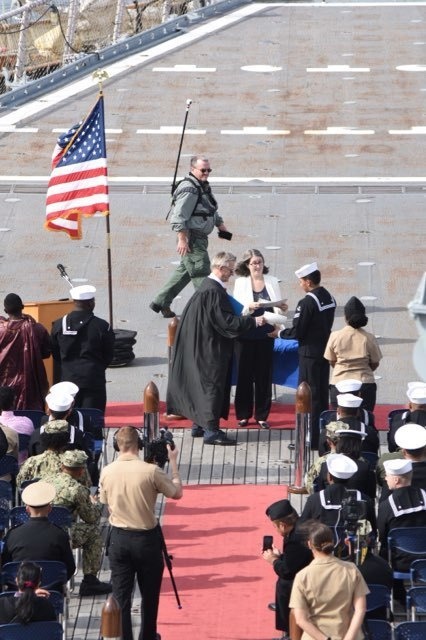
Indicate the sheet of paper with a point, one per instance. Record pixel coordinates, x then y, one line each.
271 303
274 318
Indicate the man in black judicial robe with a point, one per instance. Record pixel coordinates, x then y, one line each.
200 376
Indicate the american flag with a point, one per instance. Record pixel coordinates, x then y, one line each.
78 185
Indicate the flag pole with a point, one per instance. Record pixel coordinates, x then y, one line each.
100 75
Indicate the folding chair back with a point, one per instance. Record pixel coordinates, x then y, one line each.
418 572
325 417
379 596
379 629
370 457
33 414
60 516
31 631
9 465
416 602
53 572
410 631
409 540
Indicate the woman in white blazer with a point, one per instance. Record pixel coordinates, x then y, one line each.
254 349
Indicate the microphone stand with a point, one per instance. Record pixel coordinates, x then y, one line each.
64 274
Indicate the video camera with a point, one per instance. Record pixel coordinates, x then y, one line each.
156 449
352 511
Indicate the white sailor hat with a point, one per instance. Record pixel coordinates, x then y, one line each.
410 436
397 467
347 386
59 401
84 292
341 466
66 387
306 270
417 395
348 400
415 383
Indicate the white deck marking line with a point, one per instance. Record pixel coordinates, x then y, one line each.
339 131
165 130
112 131
236 180
10 128
338 68
74 88
411 67
414 131
185 68
254 131
261 68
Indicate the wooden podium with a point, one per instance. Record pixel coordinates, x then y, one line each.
46 313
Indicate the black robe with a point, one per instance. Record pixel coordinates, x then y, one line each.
200 376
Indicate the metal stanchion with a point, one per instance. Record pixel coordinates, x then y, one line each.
303 437
171 335
151 417
111 620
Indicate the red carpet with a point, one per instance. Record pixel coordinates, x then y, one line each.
119 414
215 535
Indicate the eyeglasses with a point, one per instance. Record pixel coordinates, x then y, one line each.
205 170
229 268
255 262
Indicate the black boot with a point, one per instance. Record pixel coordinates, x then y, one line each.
91 586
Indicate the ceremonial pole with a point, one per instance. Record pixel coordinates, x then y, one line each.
100 75
303 437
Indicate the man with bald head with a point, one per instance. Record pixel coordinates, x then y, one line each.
194 217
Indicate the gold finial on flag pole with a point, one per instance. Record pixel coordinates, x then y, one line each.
99 76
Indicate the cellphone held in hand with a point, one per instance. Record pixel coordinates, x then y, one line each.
226 235
267 542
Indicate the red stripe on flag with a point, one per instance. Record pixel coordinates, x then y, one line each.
78 183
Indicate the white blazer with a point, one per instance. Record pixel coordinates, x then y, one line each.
243 292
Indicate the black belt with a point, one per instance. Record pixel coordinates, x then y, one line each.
136 532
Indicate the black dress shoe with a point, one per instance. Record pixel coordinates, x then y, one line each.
272 606
166 311
219 438
197 431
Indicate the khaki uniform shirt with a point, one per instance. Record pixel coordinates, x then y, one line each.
353 350
325 590
130 486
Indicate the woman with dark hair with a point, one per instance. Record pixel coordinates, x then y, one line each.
254 349
354 353
30 603
328 596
